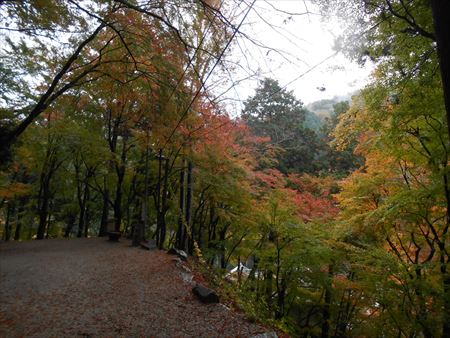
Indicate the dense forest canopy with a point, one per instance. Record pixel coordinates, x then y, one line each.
108 124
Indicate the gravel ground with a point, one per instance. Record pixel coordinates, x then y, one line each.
95 288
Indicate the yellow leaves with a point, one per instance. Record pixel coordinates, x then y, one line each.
367 189
350 124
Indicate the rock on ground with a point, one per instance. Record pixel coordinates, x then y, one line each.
96 288
205 295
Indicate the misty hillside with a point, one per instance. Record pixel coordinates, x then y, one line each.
324 108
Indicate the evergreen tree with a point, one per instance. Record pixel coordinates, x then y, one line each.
276 113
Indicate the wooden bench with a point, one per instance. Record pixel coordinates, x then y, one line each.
114 236
111 230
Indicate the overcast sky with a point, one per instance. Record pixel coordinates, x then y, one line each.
304 42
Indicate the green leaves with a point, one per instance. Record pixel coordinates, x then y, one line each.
275 113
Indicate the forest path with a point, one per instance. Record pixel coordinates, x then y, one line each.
95 288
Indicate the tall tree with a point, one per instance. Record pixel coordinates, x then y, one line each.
275 113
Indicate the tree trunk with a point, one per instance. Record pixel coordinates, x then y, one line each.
422 317
199 234
180 244
49 168
82 200
268 277
164 208
281 300
43 213
120 170
326 314
221 247
9 210
87 213
144 212
441 15
199 219
136 218
446 326
189 208
114 126
104 220
139 227
70 224
49 224
30 230
20 211
280 283
346 308
158 198
213 220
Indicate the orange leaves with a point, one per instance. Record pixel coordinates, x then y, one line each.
212 131
311 207
310 195
14 190
271 178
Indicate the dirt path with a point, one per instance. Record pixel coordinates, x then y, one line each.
94 288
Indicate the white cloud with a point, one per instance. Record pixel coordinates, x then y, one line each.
296 44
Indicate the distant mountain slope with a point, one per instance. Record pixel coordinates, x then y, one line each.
324 108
